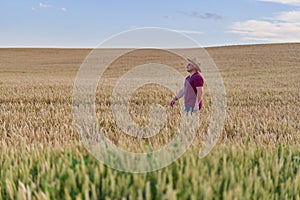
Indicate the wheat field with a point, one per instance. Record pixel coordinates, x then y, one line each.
257 155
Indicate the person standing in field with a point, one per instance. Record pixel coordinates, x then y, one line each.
192 89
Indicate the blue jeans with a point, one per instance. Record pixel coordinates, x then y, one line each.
189 108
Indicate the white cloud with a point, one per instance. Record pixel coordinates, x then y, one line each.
189 32
284 27
43 5
292 16
289 2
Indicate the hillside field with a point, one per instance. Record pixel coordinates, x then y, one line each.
257 155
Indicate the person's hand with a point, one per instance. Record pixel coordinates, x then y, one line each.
172 103
196 108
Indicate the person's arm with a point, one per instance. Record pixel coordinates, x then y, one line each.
198 98
178 96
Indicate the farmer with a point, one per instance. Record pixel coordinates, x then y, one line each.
192 89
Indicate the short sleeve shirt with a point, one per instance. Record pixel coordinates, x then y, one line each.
190 90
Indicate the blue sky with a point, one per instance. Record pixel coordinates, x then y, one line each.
78 23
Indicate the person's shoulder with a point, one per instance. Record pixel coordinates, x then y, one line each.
198 74
199 77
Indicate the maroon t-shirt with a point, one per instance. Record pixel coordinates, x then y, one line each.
190 90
